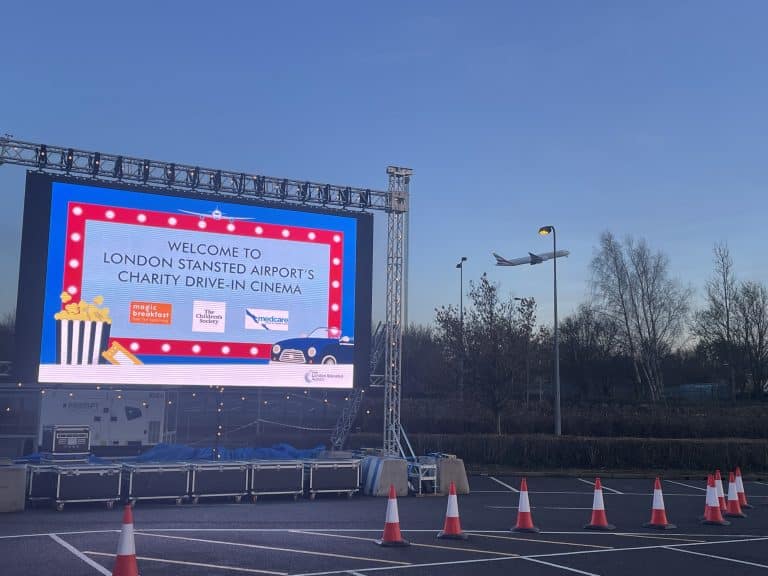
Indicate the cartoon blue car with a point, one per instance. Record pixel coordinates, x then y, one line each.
319 347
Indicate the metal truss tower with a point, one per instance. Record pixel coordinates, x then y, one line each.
211 183
399 181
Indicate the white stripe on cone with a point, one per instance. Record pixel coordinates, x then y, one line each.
126 545
524 505
392 516
712 500
453 507
739 484
658 500
719 486
732 493
597 501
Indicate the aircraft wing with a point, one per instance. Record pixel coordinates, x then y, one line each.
501 261
201 214
530 259
548 256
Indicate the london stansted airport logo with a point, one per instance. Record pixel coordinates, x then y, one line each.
260 319
208 316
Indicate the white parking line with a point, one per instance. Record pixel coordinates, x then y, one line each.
531 557
83 557
560 566
200 564
535 507
537 540
717 557
259 547
47 534
419 544
611 490
761 483
504 484
686 485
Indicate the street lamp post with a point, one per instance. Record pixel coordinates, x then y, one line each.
546 231
460 266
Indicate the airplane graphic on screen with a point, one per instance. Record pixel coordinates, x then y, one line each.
215 214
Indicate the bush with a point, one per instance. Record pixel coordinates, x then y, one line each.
531 452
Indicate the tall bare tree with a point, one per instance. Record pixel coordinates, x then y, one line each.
714 324
752 335
633 288
590 351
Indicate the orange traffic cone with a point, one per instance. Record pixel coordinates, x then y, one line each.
125 563
712 513
658 514
391 536
720 492
452 527
740 490
734 509
599 520
524 517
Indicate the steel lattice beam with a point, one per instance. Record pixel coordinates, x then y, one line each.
196 179
399 180
209 182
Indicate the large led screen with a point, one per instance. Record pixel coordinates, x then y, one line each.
133 286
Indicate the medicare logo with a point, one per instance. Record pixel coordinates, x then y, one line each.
258 319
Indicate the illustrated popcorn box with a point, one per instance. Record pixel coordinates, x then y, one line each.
81 341
82 331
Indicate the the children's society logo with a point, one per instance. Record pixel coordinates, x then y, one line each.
208 316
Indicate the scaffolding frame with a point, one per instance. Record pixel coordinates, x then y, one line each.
208 183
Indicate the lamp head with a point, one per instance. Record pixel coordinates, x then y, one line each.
463 259
546 230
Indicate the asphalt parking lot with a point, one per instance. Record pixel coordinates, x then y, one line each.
334 535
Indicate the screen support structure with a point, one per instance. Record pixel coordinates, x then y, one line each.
170 176
399 181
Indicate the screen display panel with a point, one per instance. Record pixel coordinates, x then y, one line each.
135 286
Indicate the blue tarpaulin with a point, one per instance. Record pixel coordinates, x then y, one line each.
183 453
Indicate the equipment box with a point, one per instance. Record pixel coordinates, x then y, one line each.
62 483
212 479
156 481
62 443
338 476
277 477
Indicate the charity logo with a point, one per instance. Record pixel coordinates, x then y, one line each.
259 319
150 312
208 316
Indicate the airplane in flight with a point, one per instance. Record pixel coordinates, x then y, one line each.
216 214
530 259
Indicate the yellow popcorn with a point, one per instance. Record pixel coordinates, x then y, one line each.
83 310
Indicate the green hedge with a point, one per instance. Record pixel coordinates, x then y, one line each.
531 452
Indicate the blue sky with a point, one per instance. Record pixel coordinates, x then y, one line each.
643 118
